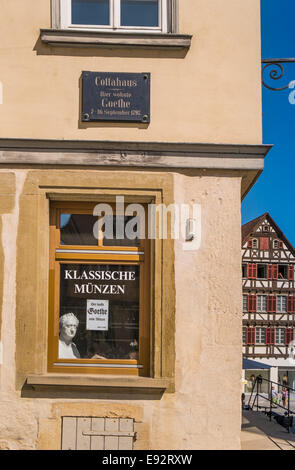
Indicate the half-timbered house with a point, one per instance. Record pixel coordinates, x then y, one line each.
268 261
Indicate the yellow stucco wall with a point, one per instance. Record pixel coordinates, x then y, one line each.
210 95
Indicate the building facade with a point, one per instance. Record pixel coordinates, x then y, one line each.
268 299
113 110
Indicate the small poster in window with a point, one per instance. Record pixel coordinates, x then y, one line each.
97 315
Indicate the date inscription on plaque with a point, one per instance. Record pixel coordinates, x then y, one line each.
108 96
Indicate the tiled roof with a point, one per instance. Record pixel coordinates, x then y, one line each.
252 226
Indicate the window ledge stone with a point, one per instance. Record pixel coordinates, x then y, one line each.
81 38
127 383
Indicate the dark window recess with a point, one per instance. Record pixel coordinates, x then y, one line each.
122 230
77 229
283 271
140 13
91 12
262 271
244 270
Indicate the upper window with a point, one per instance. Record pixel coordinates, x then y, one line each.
283 271
260 336
281 304
261 303
115 15
254 243
280 335
245 303
262 271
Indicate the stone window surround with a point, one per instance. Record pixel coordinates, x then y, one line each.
34 374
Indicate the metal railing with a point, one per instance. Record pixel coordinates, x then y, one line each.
269 398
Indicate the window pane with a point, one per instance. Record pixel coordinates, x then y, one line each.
261 303
282 304
99 311
261 271
121 230
260 335
245 303
95 12
140 13
77 229
280 336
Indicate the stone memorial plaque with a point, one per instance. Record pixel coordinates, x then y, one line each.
115 97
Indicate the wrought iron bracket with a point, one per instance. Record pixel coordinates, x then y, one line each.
275 71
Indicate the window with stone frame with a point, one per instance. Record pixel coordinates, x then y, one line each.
99 292
116 15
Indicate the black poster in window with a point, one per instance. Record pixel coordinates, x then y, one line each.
99 311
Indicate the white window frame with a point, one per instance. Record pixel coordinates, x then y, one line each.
244 335
280 335
115 14
254 242
245 302
261 305
280 303
260 335
276 244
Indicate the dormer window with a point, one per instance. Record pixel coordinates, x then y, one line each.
277 244
254 243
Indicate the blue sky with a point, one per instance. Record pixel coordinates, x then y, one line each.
274 190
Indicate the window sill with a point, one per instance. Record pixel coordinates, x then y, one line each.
107 383
69 38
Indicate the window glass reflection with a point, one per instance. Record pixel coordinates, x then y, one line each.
91 12
140 13
77 229
99 311
121 230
